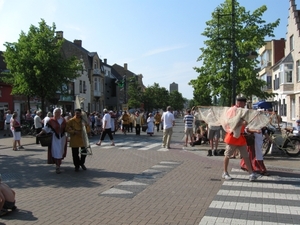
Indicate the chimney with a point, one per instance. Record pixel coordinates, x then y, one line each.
78 43
105 61
59 34
125 66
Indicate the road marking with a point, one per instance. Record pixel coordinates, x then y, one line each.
268 200
141 181
131 183
116 191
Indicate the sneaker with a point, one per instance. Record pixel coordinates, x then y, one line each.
253 176
21 147
226 176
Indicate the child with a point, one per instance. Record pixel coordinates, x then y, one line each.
7 199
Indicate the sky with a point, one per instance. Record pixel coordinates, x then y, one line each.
160 39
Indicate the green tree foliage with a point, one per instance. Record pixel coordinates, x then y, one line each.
36 64
176 100
135 93
215 77
155 97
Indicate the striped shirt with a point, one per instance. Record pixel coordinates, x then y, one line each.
188 121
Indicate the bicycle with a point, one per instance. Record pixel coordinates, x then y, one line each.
284 140
27 129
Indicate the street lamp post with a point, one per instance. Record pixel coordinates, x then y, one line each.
234 62
125 91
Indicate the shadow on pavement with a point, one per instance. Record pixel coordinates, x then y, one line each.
19 214
27 171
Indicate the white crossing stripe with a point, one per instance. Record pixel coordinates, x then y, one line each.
209 220
169 162
116 191
267 195
161 166
277 188
151 171
255 207
132 183
163 150
147 147
258 184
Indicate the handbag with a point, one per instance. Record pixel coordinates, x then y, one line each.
18 129
144 127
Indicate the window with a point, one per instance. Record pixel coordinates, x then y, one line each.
286 73
96 84
276 82
291 42
96 64
84 87
283 107
288 77
269 82
298 71
265 58
293 109
80 86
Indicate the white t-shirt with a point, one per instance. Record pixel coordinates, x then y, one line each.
7 118
37 122
106 118
168 119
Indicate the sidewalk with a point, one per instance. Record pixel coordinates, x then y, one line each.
273 162
137 182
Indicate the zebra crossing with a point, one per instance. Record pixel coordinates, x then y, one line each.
133 143
269 200
130 188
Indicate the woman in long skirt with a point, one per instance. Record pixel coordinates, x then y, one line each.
150 122
58 149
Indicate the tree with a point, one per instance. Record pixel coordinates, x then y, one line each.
135 93
155 97
36 64
215 77
176 100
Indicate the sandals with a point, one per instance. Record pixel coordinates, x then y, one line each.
113 144
98 144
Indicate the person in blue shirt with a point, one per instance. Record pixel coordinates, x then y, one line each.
296 129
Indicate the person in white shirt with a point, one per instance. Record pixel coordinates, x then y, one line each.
47 118
106 121
168 121
7 119
38 124
296 129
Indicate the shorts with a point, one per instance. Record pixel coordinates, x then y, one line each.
8 205
230 149
188 132
213 134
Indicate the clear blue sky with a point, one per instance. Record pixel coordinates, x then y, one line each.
157 38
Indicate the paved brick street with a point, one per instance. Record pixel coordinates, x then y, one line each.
137 182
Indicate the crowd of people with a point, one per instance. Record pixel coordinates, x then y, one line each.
65 128
247 146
